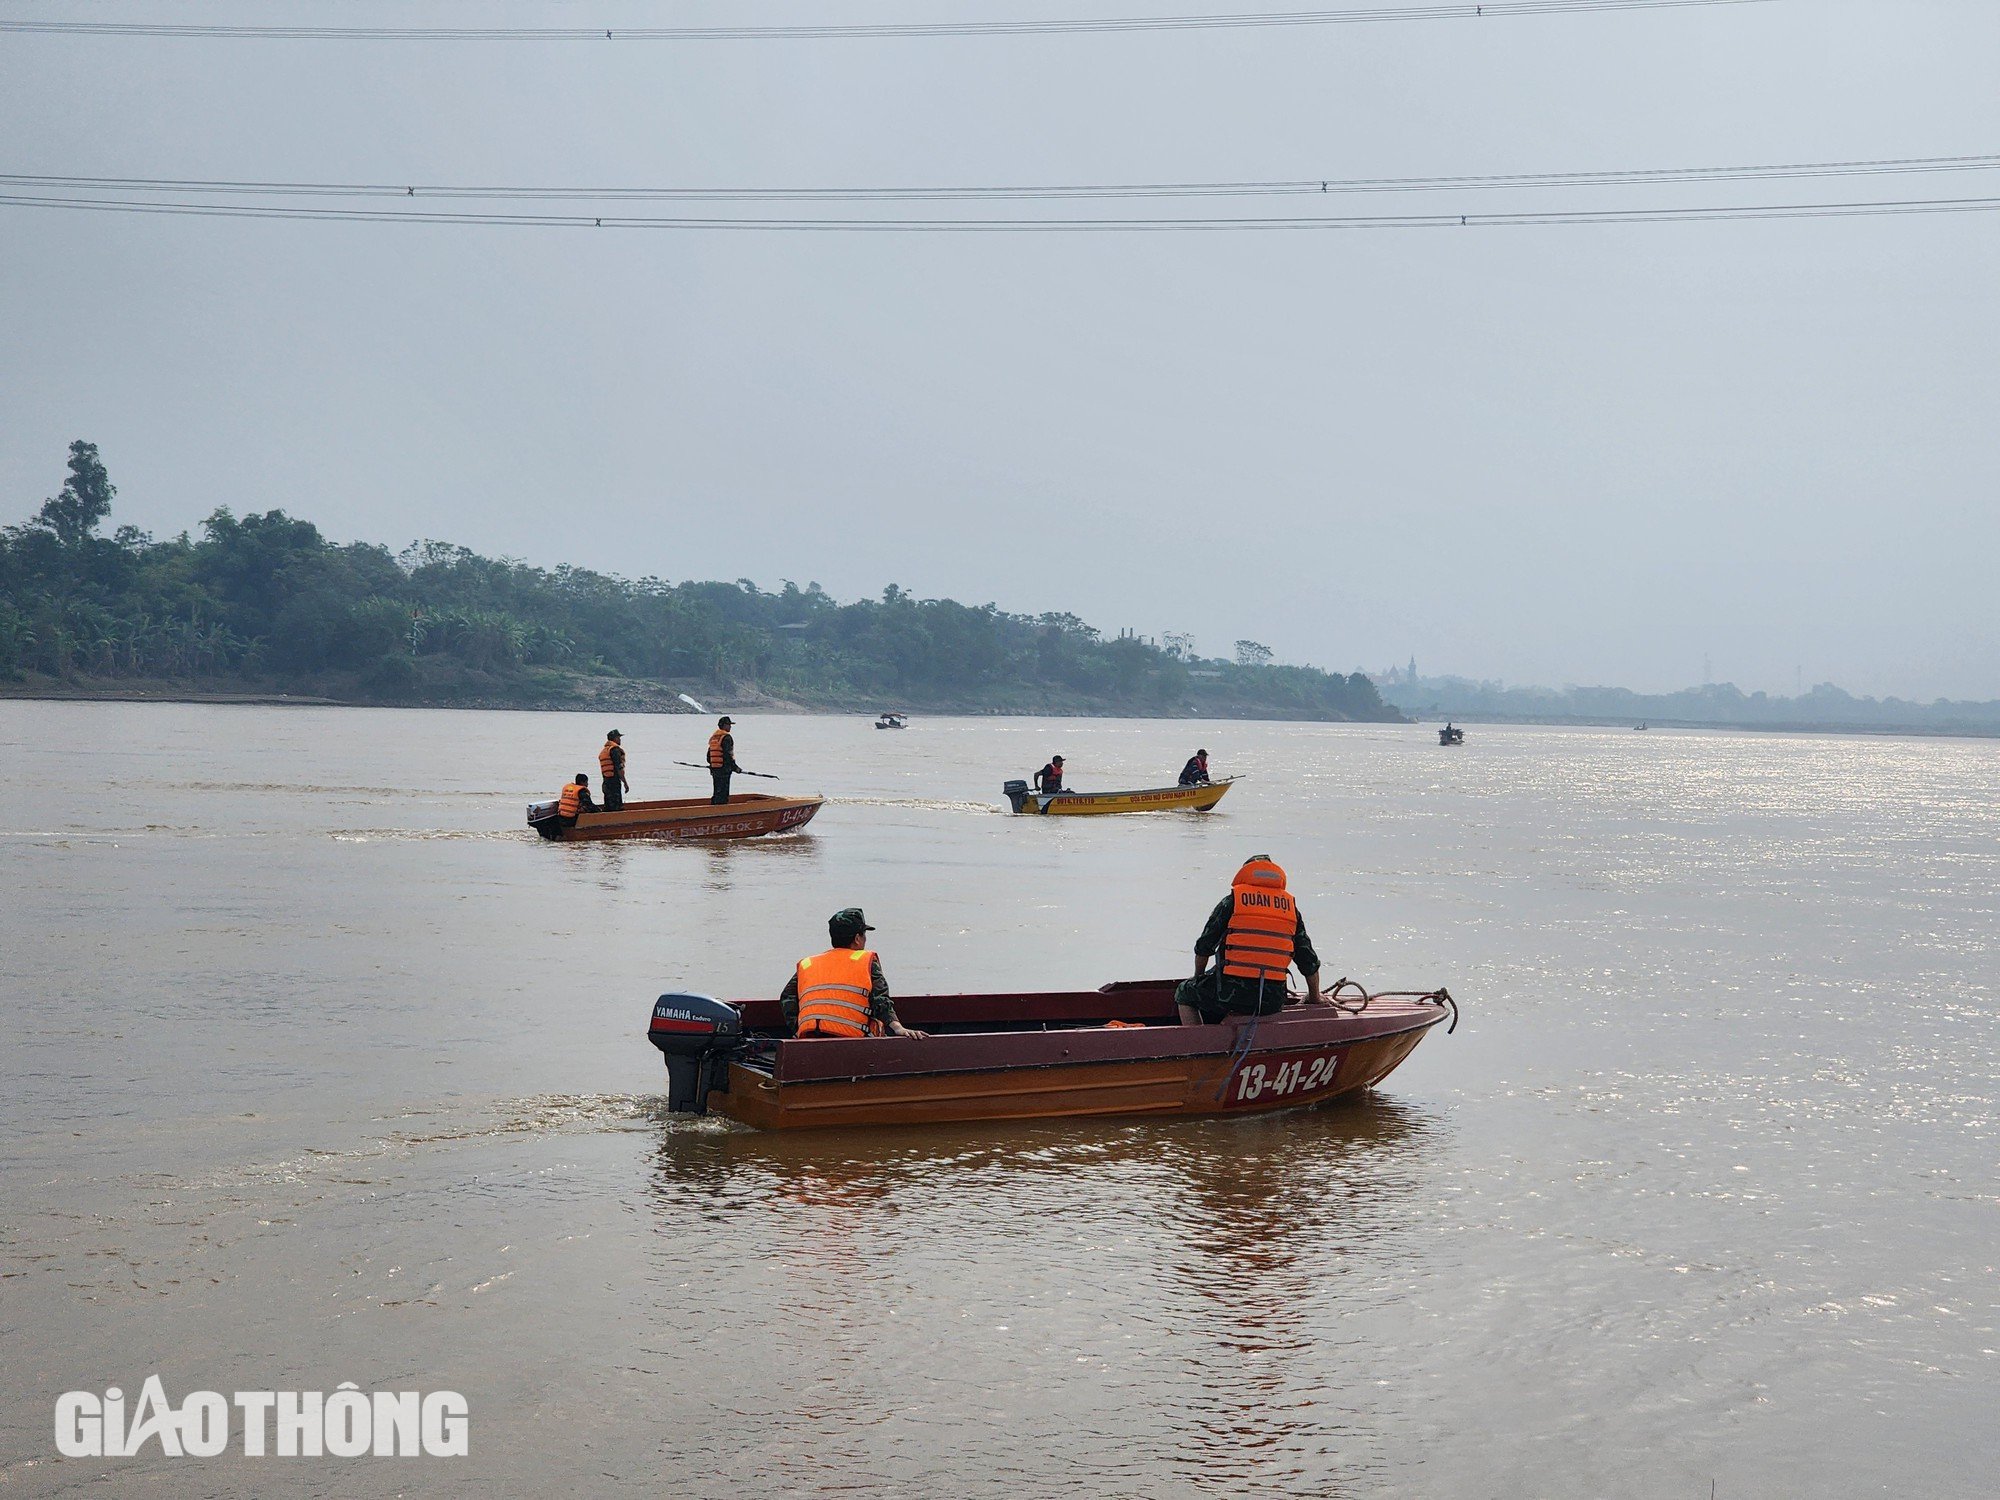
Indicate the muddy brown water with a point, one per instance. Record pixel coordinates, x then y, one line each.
320 1067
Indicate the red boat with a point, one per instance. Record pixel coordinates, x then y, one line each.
1119 1050
747 815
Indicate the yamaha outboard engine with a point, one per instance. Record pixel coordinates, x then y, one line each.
1016 793
542 818
698 1034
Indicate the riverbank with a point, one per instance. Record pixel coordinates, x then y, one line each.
551 691
618 695
1826 709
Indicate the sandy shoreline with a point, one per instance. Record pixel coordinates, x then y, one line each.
651 703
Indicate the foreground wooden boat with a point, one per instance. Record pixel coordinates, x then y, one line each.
747 815
1088 804
1119 1050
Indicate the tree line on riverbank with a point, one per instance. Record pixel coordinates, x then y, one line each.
264 602
1721 704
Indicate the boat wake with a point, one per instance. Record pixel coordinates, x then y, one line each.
927 804
389 835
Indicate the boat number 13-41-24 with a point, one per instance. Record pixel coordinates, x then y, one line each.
1300 1074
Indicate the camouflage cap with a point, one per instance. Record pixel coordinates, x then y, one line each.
848 920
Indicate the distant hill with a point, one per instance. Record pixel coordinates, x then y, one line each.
264 604
1722 704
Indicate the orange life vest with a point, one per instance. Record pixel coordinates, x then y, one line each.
572 795
607 760
1263 925
718 758
834 987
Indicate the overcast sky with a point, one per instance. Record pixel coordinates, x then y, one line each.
1570 454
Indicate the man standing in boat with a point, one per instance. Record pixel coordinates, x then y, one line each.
1049 778
841 992
1258 933
611 763
1195 772
722 759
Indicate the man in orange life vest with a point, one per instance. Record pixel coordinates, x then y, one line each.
1258 934
722 760
611 763
575 799
1049 778
841 992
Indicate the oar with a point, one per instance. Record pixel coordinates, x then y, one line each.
693 766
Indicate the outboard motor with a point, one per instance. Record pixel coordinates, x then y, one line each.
542 818
698 1034
1016 792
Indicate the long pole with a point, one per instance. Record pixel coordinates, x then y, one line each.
691 765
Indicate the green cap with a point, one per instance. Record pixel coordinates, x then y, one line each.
848 920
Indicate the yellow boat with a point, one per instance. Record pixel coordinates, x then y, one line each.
1090 804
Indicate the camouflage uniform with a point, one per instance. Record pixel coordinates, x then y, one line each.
1215 994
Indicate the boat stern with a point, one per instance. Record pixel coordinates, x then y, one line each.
697 1034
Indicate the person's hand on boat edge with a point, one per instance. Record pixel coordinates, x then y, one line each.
897 1028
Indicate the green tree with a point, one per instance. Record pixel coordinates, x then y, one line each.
267 600
85 499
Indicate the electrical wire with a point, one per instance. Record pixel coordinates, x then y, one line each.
879 30
1065 192
1019 226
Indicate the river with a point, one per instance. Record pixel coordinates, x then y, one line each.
320 1067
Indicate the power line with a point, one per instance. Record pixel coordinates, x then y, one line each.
1279 187
993 226
878 30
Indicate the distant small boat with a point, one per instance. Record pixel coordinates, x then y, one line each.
1451 735
1638 726
1088 804
892 721
1119 1050
747 815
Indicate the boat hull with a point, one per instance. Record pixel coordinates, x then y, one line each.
746 816
1098 804
1303 1058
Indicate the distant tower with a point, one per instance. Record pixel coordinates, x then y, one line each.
1413 669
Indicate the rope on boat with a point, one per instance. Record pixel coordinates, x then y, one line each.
1440 997
1249 1035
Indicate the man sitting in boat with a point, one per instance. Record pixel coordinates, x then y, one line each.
575 799
1049 778
841 992
1260 934
1195 772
